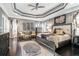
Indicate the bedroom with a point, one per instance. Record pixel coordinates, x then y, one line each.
39 29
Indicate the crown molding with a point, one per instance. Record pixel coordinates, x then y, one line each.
51 11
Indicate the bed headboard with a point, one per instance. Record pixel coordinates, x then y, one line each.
63 29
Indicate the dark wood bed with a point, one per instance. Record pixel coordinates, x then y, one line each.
64 41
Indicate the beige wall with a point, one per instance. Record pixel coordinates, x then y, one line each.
69 19
4 26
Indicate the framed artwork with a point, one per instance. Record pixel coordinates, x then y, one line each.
60 20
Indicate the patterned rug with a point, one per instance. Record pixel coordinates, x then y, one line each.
32 49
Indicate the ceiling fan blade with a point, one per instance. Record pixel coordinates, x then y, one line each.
32 8
37 4
41 6
31 5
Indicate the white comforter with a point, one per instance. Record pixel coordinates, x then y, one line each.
58 38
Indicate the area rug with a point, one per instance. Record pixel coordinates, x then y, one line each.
32 49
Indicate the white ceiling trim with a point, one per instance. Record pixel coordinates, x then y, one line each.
51 11
51 16
7 8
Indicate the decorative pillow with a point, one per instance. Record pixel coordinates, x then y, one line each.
21 34
33 33
59 32
66 31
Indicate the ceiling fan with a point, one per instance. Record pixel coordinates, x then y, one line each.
36 6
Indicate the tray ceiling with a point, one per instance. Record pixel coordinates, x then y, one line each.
37 10
33 11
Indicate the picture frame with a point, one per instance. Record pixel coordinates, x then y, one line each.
60 20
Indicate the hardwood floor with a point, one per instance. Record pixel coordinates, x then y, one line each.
68 50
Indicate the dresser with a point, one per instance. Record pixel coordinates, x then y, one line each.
4 44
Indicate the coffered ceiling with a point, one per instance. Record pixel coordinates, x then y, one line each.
37 11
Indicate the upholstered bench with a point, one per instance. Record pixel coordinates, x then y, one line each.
49 44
